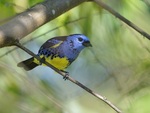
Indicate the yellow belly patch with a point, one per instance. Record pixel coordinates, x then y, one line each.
59 63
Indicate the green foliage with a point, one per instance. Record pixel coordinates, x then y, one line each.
6 9
117 65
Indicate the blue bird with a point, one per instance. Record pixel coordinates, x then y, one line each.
59 51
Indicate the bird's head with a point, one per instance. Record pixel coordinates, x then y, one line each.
78 41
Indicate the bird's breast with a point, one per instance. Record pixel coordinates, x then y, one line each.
58 62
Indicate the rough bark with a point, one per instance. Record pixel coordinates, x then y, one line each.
26 22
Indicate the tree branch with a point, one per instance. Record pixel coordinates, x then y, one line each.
116 14
26 22
104 99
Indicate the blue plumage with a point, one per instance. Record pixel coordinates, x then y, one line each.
59 51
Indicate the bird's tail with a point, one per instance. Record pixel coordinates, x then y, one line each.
28 64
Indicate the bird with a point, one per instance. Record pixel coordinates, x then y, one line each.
58 51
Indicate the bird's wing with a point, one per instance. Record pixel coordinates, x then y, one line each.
54 42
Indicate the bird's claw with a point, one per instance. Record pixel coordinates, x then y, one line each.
66 76
42 60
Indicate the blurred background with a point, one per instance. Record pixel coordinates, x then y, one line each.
117 66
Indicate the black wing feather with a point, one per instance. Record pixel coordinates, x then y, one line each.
49 43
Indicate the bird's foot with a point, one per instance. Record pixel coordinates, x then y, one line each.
42 60
66 76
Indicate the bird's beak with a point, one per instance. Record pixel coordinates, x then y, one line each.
87 44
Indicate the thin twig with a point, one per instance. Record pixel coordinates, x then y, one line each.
104 99
116 14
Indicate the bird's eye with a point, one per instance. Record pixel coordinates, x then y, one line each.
80 39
